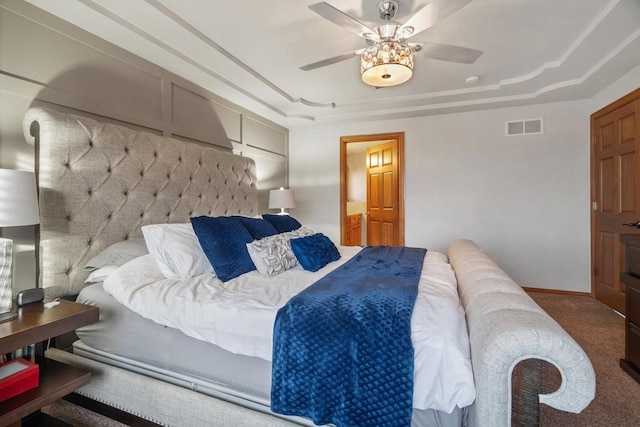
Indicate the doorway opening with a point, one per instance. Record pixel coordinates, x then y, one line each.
372 189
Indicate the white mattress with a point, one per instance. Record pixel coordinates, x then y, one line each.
238 316
127 336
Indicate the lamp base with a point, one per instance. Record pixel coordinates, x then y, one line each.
5 317
6 291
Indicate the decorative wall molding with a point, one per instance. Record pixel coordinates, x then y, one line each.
565 78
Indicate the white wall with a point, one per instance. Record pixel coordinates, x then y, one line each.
357 180
524 199
624 85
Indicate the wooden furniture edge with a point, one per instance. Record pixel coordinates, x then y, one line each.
35 332
630 369
56 381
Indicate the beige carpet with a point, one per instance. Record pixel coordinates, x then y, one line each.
77 416
600 332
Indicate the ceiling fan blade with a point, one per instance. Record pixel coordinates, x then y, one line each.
330 61
432 13
340 18
447 52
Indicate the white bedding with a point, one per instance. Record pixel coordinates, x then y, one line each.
239 315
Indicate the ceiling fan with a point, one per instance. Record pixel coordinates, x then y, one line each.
388 58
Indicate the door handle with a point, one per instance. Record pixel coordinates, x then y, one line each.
633 224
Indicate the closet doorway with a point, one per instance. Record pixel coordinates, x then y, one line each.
372 189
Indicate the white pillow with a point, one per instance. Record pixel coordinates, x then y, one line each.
117 254
273 255
98 275
176 250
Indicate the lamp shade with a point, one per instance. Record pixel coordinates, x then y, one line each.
18 198
281 199
386 64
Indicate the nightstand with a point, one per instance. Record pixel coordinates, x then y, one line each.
34 324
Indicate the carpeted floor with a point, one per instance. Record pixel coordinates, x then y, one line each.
598 329
600 332
77 416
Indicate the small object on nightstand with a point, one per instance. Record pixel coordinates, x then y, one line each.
29 296
52 304
16 377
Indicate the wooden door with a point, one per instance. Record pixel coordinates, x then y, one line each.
616 163
382 195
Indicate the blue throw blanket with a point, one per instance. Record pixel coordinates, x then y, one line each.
342 349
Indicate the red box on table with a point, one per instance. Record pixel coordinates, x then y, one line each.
16 377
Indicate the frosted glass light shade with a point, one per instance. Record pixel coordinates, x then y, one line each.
386 64
282 199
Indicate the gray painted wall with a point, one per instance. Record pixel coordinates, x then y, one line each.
624 85
523 199
46 61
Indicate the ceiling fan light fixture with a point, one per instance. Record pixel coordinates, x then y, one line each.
387 31
387 63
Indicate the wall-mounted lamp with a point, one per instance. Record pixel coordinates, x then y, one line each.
282 199
18 206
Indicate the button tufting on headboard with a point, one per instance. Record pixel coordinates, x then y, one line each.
99 183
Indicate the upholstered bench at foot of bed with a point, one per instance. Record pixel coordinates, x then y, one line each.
513 345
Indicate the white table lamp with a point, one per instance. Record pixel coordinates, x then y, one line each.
18 206
282 199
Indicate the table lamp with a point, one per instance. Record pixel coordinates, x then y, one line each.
18 206
282 199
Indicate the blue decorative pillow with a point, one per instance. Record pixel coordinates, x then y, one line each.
314 252
224 242
259 228
282 223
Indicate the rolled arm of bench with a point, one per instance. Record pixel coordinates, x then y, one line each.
506 327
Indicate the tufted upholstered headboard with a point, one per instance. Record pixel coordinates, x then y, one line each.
100 183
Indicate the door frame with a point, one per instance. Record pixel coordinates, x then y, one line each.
351 139
630 97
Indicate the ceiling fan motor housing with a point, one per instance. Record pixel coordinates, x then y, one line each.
387 9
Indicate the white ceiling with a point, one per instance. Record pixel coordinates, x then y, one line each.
250 51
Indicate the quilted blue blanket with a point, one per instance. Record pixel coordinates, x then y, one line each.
342 349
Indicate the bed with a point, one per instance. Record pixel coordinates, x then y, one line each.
100 184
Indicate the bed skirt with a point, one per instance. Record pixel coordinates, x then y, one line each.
162 402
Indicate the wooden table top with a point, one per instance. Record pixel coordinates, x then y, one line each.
36 323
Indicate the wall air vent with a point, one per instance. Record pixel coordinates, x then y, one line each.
523 127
